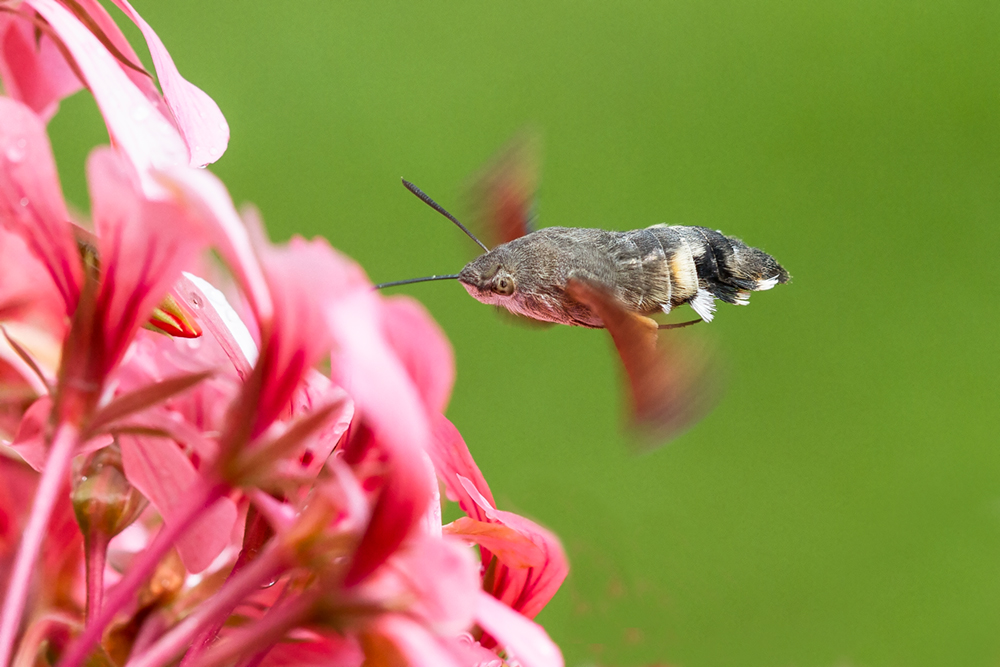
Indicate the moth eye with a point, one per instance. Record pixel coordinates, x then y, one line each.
503 285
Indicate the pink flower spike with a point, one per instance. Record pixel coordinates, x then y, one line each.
143 245
135 123
525 640
33 69
31 201
198 117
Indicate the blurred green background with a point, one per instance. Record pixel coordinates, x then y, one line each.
841 506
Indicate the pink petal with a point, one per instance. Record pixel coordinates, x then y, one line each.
34 72
16 493
397 511
27 294
298 336
422 347
30 440
136 125
220 321
431 522
453 461
158 468
392 636
317 391
198 116
510 547
444 577
144 245
104 24
527 642
31 201
331 651
388 403
207 197
528 590
525 587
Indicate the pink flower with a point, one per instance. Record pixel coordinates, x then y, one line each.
303 502
181 126
530 562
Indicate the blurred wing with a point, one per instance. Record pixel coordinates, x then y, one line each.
672 384
501 197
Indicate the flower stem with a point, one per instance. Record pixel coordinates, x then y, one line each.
53 478
214 610
255 536
263 633
96 547
142 567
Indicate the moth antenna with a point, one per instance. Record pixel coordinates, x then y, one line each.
440 209
450 276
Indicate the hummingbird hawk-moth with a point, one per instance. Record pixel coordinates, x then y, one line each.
615 280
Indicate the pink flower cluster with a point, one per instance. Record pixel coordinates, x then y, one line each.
217 463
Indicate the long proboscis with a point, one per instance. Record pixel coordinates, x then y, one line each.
423 196
450 276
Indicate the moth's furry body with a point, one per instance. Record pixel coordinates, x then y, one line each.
647 270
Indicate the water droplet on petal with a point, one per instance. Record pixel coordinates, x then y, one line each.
24 201
17 150
196 301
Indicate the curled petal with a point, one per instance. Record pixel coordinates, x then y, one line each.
137 126
399 508
220 321
529 589
298 335
198 117
509 546
525 586
453 462
31 201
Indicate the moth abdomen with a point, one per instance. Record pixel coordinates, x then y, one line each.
705 265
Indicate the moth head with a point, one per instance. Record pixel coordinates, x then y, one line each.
488 279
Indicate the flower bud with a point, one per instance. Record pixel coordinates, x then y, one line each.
103 500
